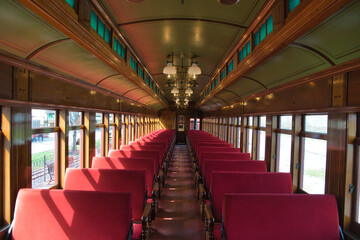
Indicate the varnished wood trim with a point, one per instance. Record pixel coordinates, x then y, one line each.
43 47
311 49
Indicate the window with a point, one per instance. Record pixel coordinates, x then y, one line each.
223 74
261 138
265 29
212 85
147 79
293 4
133 63
231 66
75 140
119 48
244 51
249 132
140 72
99 26
284 144
238 132
216 82
99 135
43 149
71 3
314 154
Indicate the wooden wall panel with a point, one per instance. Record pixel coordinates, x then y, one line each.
354 88
167 119
6 74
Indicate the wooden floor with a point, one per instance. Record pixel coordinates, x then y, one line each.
178 216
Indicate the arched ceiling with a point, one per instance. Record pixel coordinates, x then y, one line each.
26 36
157 28
334 41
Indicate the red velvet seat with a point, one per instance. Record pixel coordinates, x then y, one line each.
56 214
245 182
212 144
146 164
138 154
205 149
239 166
280 217
139 147
223 156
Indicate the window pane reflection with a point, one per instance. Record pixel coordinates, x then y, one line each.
98 141
284 158
74 149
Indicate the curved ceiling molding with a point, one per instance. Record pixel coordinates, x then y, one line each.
313 50
182 19
252 79
112 75
140 98
43 47
129 91
225 90
222 100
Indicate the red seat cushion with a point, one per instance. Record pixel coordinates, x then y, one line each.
159 148
238 166
280 217
147 164
224 156
57 215
242 182
132 181
206 149
136 231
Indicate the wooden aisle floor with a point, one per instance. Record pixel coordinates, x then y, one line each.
178 216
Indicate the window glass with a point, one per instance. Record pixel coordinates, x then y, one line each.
111 118
223 74
98 141
244 52
240 55
314 165
111 138
256 38
262 32
269 25
250 121
42 118
293 4
357 217
216 82
262 121
284 154
100 30
93 20
107 35
75 118
261 147
249 140
248 49
316 123
74 148
43 162
115 44
99 118
71 3
286 122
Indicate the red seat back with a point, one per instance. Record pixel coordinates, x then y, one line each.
137 154
146 164
132 181
238 166
280 217
139 147
223 156
57 215
242 182
206 149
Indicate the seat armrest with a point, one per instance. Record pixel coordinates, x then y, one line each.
202 194
209 222
197 178
146 222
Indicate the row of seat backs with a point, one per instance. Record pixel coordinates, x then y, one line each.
138 147
205 149
58 215
231 166
110 180
234 156
280 217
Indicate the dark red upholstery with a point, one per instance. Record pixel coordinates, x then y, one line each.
242 182
238 156
239 166
280 217
146 164
132 181
213 144
205 149
158 148
138 154
57 215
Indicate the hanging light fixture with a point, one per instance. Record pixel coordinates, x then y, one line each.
189 91
174 90
170 69
194 69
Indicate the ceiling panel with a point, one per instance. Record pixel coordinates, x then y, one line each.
337 37
118 84
159 27
289 64
18 21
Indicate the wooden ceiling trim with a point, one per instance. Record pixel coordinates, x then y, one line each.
37 68
313 50
43 47
329 72
226 90
314 13
222 100
129 91
254 80
110 76
53 13
182 19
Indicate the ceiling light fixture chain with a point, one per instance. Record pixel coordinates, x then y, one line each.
184 79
